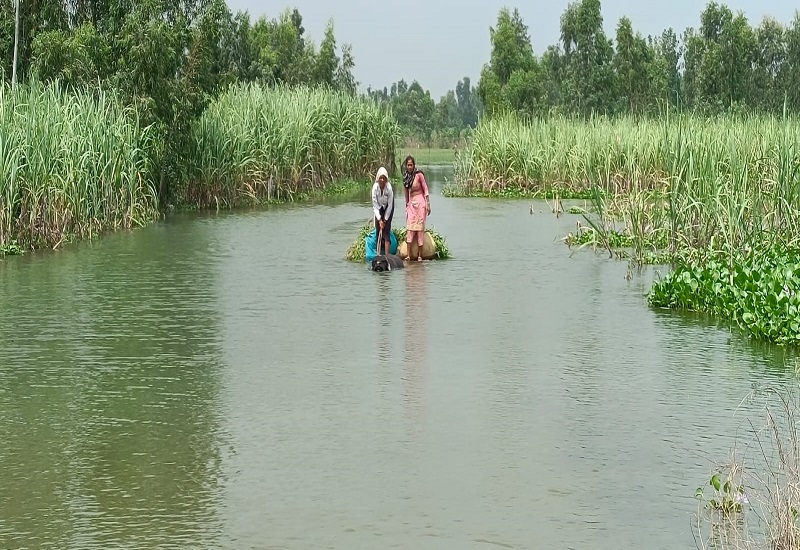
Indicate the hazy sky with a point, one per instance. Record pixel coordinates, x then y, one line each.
438 42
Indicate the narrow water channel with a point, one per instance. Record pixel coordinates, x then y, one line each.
229 381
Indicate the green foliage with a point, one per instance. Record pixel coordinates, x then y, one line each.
71 165
427 157
728 494
757 291
343 187
589 235
729 66
588 78
258 144
458 189
512 80
11 249
734 177
424 121
442 252
357 253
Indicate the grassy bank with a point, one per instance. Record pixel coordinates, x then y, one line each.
678 181
71 166
259 144
427 156
622 154
74 165
717 198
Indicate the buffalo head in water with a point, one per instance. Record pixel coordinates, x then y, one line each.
387 262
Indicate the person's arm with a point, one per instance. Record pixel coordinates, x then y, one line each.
407 197
390 203
376 208
425 191
424 184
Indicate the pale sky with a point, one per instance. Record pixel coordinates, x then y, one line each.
438 42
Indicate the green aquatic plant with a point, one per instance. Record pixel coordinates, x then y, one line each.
344 187
11 249
729 495
459 190
756 290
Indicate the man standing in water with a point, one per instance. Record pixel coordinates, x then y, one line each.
383 209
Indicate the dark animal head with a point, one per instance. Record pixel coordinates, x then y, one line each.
381 263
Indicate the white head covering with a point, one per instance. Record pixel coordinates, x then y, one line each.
382 172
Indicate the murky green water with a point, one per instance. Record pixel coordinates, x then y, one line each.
228 381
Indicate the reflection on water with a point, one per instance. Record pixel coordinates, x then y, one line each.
108 384
415 341
229 381
383 300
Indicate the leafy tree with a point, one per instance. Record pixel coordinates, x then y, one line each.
513 64
766 86
632 59
589 83
327 61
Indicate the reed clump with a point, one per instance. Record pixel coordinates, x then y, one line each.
258 144
752 501
71 165
718 198
734 178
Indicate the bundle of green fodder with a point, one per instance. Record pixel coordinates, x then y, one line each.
434 246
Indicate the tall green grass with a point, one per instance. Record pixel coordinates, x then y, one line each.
70 165
718 198
255 144
736 180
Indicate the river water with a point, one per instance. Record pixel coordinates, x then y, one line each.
229 381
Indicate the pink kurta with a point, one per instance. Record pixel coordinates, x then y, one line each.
416 206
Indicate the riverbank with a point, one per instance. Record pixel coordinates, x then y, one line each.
80 164
426 156
716 198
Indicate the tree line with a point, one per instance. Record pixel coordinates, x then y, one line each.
171 57
723 65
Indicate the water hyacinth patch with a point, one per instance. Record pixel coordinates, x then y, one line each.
757 291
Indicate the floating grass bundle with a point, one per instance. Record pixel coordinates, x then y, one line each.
70 165
257 144
357 253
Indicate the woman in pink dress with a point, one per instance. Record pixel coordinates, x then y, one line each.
418 206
